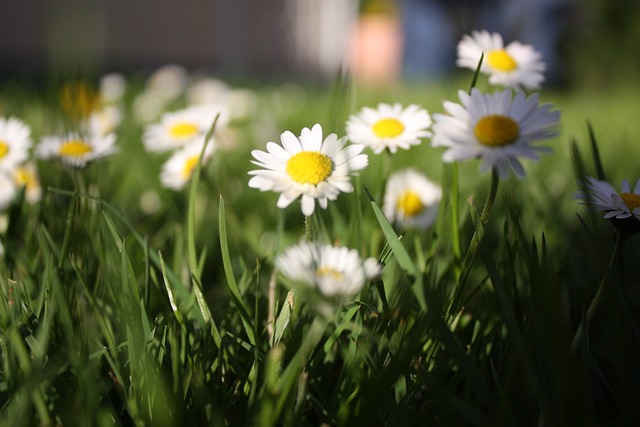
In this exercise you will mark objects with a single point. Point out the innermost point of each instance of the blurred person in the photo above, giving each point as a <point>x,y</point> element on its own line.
<point>432,29</point>
<point>375,51</point>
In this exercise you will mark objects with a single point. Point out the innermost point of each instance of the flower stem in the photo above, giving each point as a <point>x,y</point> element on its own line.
<point>471,253</point>
<point>455,218</point>
<point>308,229</point>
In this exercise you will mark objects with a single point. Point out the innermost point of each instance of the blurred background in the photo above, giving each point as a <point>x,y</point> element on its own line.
<point>379,41</point>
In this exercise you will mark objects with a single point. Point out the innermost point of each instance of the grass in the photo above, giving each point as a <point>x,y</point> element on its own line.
<point>114,313</point>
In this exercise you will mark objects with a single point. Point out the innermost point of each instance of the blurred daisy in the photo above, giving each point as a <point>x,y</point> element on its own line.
<point>112,87</point>
<point>148,106</point>
<point>8,191</point>
<point>104,121</point>
<point>389,126</point>
<point>168,81</point>
<point>15,141</point>
<point>601,196</point>
<point>336,272</point>
<point>178,128</point>
<point>178,170</point>
<point>78,99</point>
<point>411,199</point>
<point>498,128</point>
<point>307,166</point>
<point>75,150</point>
<point>26,175</point>
<point>516,65</point>
<point>202,90</point>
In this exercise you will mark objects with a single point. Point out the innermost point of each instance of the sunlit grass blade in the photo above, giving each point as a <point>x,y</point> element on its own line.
<point>231,280</point>
<point>172,299</point>
<point>191,233</point>
<point>282,321</point>
<point>399,251</point>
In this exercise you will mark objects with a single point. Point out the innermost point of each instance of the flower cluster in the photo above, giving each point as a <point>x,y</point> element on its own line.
<point>499,128</point>
<point>96,115</point>
<point>182,132</point>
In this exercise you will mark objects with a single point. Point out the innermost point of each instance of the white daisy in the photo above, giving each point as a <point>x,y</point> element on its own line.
<point>411,199</point>
<point>307,166</point>
<point>76,150</point>
<point>178,128</point>
<point>601,196</point>
<point>498,128</point>
<point>8,191</point>
<point>15,141</point>
<point>148,106</point>
<point>104,121</point>
<point>336,272</point>
<point>516,65</point>
<point>168,81</point>
<point>178,170</point>
<point>112,87</point>
<point>389,126</point>
<point>26,175</point>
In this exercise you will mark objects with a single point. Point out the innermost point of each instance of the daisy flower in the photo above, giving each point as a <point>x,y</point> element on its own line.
<point>104,121</point>
<point>307,166</point>
<point>178,170</point>
<point>389,126</point>
<point>8,191</point>
<point>168,81</point>
<point>79,99</point>
<point>336,272</point>
<point>76,150</point>
<point>498,128</point>
<point>411,199</point>
<point>516,65</point>
<point>15,141</point>
<point>601,196</point>
<point>26,175</point>
<point>178,128</point>
<point>112,87</point>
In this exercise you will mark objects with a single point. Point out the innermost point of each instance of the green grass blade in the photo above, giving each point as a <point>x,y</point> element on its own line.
<point>231,280</point>
<point>191,232</point>
<point>476,73</point>
<point>596,152</point>
<point>401,254</point>
<point>167,285</point>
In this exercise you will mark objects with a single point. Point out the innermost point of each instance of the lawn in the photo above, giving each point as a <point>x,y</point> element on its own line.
<point>124,302</point>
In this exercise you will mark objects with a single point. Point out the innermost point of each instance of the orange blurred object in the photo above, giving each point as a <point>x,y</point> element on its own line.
<point>375,57</point>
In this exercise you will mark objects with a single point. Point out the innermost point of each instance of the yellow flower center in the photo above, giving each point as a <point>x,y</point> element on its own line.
<point>4,149</point>
<point>329,272</point>
<point>631,200</point>
<point>74,148</point>
<point>410,203</point>
<point>189,166</point>
<point>501,60</point>
<point>309,167</point>
<point>496,131</point>
<point>388,128</point>
<point>183,130</point>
